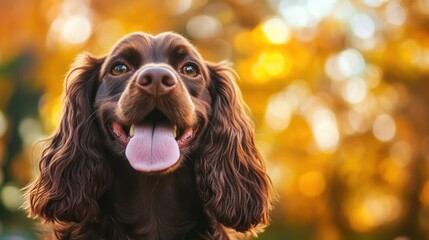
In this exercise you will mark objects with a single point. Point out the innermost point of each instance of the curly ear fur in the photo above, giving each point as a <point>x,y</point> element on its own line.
<point>230,171</point>
<point>73,173</point>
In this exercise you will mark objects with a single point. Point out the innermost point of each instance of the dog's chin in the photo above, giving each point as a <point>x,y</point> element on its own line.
<point>154,145</point>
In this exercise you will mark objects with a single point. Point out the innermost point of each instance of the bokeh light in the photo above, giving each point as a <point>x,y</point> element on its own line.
<point>76,30</point>
<point>276,30</point>
<point>30,130</point>
<point>384,128</point>
<point>325,129</point>
<point>211,27</point>
<point>395,13</point>
<point>177,7</point>
<point>296,16</point>
<point>72,26</point>
<point>11,197</point>
<point>370,210</point>
<point>271,64</point>
<point>362,26</point>
<point>344,65</point>
<point>374,3</point>
<point>355,90</point>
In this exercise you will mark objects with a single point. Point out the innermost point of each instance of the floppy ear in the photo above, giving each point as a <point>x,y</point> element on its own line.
<point>230,171</point>
<point>73,171</point>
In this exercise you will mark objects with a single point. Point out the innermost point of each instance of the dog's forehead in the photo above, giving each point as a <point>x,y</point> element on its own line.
<point>150,45</point>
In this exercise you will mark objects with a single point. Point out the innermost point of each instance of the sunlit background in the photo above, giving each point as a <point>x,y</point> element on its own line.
<point>339,91</point>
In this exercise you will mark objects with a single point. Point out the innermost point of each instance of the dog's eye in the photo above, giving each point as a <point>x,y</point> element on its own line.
<point>119,69</point>
<point>189,70</point>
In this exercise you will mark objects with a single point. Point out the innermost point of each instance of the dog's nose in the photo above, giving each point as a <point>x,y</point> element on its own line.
<point>156,81</point>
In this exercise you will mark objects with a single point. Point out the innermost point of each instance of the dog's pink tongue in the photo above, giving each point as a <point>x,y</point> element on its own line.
<point>153,147</point>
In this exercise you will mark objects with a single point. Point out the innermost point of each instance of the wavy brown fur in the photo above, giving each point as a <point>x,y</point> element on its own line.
<point>88,190</point>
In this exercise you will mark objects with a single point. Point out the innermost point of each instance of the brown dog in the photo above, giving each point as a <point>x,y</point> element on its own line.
<point>154,143</point>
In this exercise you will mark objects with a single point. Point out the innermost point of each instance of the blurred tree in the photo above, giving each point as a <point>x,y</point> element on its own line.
<point>23,103</point>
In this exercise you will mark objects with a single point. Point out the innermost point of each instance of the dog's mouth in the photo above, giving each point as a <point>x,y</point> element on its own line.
<point>153,144</point>
<point>123,133</point>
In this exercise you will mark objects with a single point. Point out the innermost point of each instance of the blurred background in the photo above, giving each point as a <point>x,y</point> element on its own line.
<point>339,91</point>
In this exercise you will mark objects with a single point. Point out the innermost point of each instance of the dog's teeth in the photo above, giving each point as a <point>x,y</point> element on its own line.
<point>132,131</point>
<point>175,131</point>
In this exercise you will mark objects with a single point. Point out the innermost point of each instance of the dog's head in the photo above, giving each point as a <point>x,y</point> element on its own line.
<point>154,100</point>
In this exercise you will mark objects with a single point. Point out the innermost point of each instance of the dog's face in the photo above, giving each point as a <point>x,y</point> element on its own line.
<point>153,100</point>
